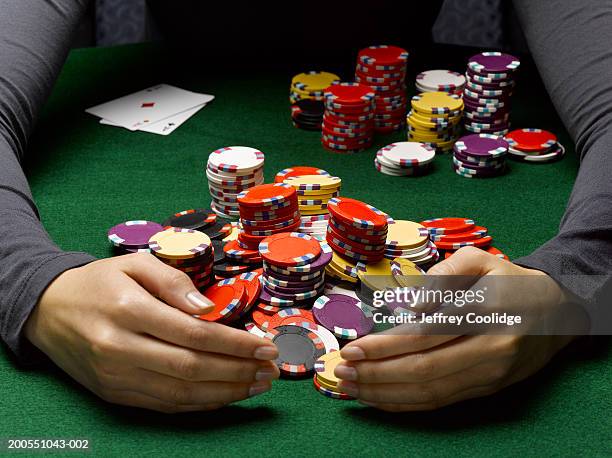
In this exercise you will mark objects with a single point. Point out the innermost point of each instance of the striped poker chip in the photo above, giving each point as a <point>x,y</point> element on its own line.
<point>343,315</point>
<point>236,158</point>
<point>495,63</point>
<point>289,249</point>
<point>228,296</point>
<point>299,349</point>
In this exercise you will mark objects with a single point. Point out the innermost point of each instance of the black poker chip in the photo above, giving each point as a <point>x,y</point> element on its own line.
<point>198,219</point>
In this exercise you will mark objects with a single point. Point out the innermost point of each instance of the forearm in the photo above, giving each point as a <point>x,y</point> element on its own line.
<point>35,37</point>
<point>570,43</point>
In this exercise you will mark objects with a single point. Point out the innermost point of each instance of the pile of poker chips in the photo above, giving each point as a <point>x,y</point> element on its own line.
<point>411,241</point>
<point>480,156</point>
<point>452,233</point>
<point>356,230</point>
<point>132,236</point>
<point>294,269</point>
<point>186,250</point>
<point>233,297</point>
<point>325,381</point>
<point>230,171</point>
<point>348,122</point>
<point>383,68</point>
<point>265,210</point>
<point>440,81</point>
<point>534,145</point>
<point>405,159</point>
<point>435,119</point>
<point>488,91</point>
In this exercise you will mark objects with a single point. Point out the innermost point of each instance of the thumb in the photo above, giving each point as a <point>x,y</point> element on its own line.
<point>171,285</point>
<point>466,261</point>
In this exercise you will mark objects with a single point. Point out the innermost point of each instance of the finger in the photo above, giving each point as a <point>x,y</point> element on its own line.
<point>180,392</point>
<point>175,327</point>
<point>425,366</point>
<point>379,346</point>
<point>190,365</point>
<point>434,393</point>
<point>135,399</point>
<point>469,261</point>
<point>171,285</point>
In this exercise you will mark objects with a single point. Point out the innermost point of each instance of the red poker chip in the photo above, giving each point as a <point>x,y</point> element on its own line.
<point>531,140</point>
<point>349,93</point>
<point>477,232</point>
<point>267,195</point>
<point>383,55</point>
<point>449,225</point>
<point>357,214</point>
<point>339,148</point>
<point>290,316</point>
<point>233,251</point>
<point>331,133</point>
<point>355,256</point>
<point>351,245</point>
<point>346,122</point>
<point>297,171</point>
<point>227,295</point>
<point>263,214</point>
<point>289,249</point>
<point>261,318</point>
<point>357,235</point>
<point>268,232</point>
<point>267,223</point>
<point>478,243</point>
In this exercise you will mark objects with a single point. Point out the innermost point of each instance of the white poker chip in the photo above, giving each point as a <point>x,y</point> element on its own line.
<point>441,80</point>
<point>236,159</point>
<point>408,154</point>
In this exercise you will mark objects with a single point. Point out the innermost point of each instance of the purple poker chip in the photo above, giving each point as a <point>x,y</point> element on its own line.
<point>276,282</point>
<point>493,62</point>
<point>482,145</point>
<point>488,78</point>
<point>294,277</point>
<point>133,234</point>
<point>482,173</point>
<point>479,167</point>
<point>343,315</point>
<point>303,288</point>
<point>478,161</point>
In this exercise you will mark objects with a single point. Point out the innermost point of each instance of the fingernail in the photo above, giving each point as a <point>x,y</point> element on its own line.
<point>353,354</point>
<point>196,299</point>
<point>266,353</point>
<point>259,388</point>
<point>349,388</point>
<point>346,372</point>
<point>265,374</point>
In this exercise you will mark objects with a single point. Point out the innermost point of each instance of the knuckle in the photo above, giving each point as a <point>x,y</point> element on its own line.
<point>187,367</point>
<point>104,344</point>
<point>197,335</point>
<point>508,346</point>
<point>179,394</point>
<point>423,366</point>
<point>176,279</point>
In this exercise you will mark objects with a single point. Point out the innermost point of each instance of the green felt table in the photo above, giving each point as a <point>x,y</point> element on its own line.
<point>86,177</point>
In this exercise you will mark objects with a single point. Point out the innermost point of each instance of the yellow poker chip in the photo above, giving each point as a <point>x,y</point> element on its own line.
<point>313,207</point>
<point>313,212</point>
<point>434,119</point>
<point>377,276</point>
<point>314,81</point>
<point>403,235</point>
<point>343,263</point>
<point>413,120</point>
<point>179,243</point>
<point>314,182</point>
<point>407,273</point>
<point>233,235</point>
<point>325,367</point>
<point>436,102</point>
<point>335,273</point>
<point>319,193</point>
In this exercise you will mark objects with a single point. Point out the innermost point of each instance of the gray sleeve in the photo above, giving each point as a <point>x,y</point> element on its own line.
<point>35,37</point>
<point>571,44</point>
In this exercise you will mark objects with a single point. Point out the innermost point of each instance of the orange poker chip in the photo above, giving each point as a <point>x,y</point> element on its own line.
<point>227,295</point>
<point>267,195</point>
<point>298,171</point>
<point>289,249</point>
<point>357,214</point>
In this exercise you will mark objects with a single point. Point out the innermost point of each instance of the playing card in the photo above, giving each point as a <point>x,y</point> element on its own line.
<point>165,126</point>
<point>148,106</point>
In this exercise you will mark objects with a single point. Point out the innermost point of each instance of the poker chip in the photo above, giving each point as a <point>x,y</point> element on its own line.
<point>377,276</point>
<point>254,329</point>
<point>480,155</point>
<point>343,315</point>
<point>133,235</point>
<point>534,145</point>
<point>488,91</point>
<point>448,225</point>
<point>299,349</point>
<point>406,273</point>
<point>228,297</point>
<point>404,159</point>
<point>290,316</point>
<point>435,119</point>
<point>314,192</point>
<point>383,68</point>
<point>289,249</point>
<point>350,105</point>
<point>297,171</point>
<point>440,81</point>
<point>231,171</point>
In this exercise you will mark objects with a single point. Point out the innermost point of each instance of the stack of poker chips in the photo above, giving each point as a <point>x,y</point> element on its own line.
<point>132,236</point>
<point>265,210</point>
<point>435,119</point>
<point>452,233</point>
<point>348,122</point>
<point>440,81</point>
<point>411,241</point>
<point>298,171</point>
<point>383,68</point>
<point>230,171</point>
<point>314,193</point>
<point>325,381</point>
<point>306,97</point>
<point>294,269</point>
<point>489,87</point>
<point>357,231</point>
<point>534,145</point>
<point>186,250</point>
<point>480,156</point>
<point>405,159</point>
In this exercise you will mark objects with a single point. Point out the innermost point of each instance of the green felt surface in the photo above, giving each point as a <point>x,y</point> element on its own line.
<point>87,177</point>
